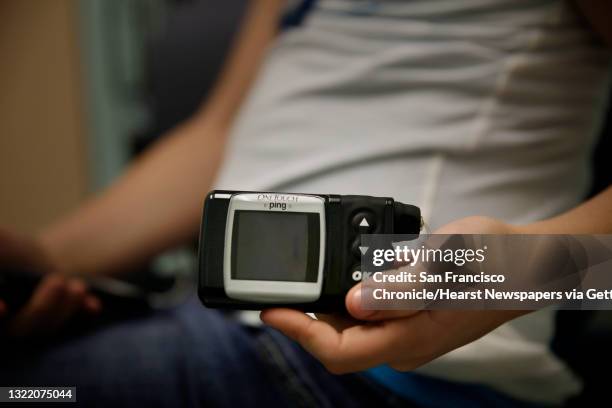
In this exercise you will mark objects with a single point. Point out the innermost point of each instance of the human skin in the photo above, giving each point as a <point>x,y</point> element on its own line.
<point>407,339</point>
<point>156,205</point>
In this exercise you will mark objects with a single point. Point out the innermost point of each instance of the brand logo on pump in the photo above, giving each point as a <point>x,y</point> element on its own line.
<point>277,206</point>
<point>277,201</point>
<point>278,197</point>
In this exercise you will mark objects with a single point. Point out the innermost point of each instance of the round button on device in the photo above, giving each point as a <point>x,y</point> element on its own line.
<point>357,249</point>
<point>356,274</point>
<point>364,222</point>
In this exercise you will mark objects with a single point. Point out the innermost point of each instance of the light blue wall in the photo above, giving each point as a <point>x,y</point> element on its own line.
<point>112,37</point>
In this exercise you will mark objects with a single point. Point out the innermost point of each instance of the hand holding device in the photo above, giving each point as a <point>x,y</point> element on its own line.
<point>114,299</point>
<point>35,298</point>
<point>402,339</point>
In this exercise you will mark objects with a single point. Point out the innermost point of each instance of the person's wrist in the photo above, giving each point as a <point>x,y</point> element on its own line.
<point>53,258</point>
<point>479,225</point>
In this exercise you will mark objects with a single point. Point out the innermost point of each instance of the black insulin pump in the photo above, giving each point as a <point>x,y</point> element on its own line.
<point>264,249</point>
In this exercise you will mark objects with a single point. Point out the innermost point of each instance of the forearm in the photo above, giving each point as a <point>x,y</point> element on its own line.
<point>154,206</point>
<point>157,203</point>
<point>591,217</point>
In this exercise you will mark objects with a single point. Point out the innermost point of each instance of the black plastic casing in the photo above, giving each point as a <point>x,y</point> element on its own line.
<point>342,256</point>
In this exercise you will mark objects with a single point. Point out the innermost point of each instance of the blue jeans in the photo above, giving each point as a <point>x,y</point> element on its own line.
<point>188,357</point>
<point>192,357</point>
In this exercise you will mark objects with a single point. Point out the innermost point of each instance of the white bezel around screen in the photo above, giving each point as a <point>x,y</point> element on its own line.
<point>265,291</point>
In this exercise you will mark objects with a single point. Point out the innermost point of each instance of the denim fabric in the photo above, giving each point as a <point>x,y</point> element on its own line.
<point>193,357</point>
<point>188,357</point>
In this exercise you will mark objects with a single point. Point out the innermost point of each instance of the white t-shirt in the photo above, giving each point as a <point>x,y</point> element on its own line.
<point>474,107</point>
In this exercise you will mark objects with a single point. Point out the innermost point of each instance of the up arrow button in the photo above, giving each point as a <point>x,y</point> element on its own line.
<point>364,222</point>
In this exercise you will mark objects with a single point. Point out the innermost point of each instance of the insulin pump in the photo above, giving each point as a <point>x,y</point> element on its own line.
<point>264,249</point>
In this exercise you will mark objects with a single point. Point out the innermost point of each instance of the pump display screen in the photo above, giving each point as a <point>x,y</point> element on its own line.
<point>275,246</point>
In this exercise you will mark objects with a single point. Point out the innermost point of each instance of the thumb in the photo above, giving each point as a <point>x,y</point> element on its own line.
<point>355,306</point>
